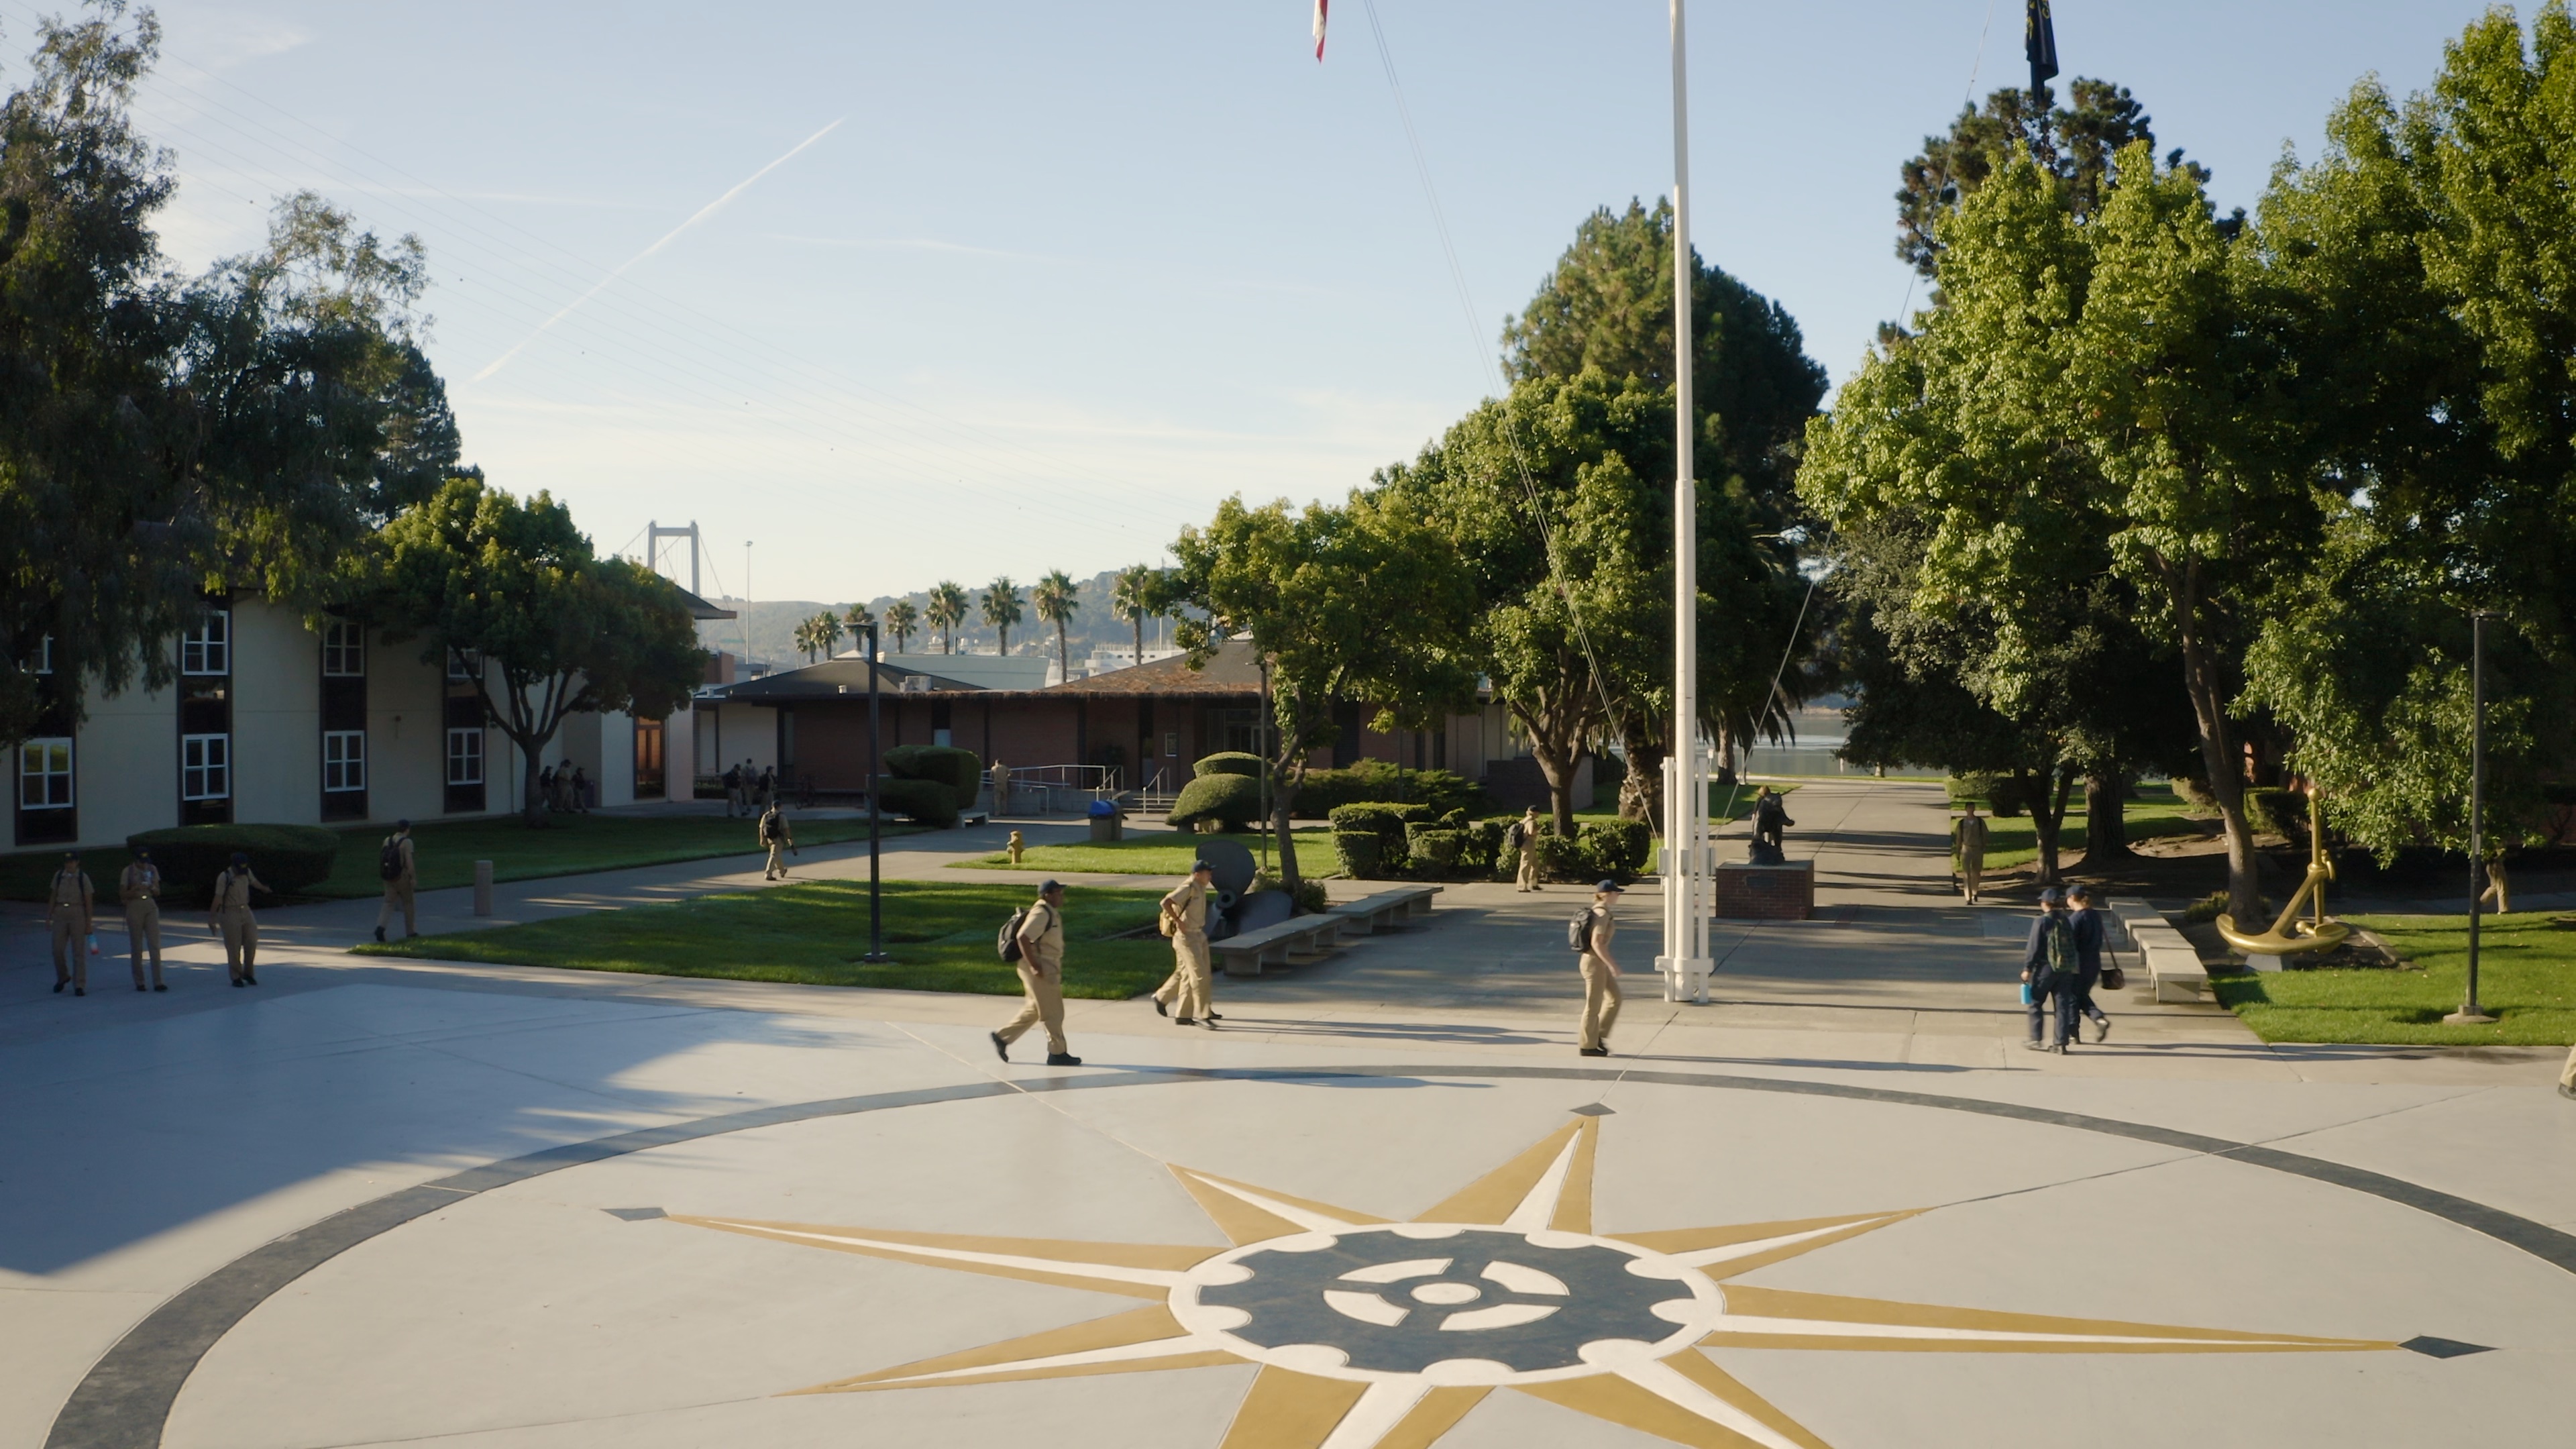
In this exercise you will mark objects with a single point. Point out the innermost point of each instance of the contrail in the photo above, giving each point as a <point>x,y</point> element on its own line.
<point>702,213</point>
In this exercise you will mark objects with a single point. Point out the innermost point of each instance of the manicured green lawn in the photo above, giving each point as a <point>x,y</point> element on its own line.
<point>813,933</point>
<point>446,851</point>
<point>2526,979</point>
<point>2157,811</point>
<point>1152,852</point>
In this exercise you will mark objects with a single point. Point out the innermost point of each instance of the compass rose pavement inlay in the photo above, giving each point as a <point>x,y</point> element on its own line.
<point>1372,1334</point>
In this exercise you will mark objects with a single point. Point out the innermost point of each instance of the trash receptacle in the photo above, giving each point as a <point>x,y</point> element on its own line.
<point>1108,822</point>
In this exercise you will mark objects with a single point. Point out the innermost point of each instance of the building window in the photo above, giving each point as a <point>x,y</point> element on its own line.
<point>344,649</point>
<point>208,648</point>
<point>1171,744</point>
<point>205,767</point>
<point>344,760</point>
<point>45,774</point>
<point>465,757</point>
<point>458,667</point>
<point>40,660</point>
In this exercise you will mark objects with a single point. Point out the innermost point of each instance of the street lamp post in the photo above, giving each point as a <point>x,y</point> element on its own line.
<point>876,903</point>
<point>2470,1012</point>
<point>1685,961</point>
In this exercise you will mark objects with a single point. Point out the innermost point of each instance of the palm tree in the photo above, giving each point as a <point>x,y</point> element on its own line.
<point>1136,596</point>
<point>1002,609</point>
<point>947,610</point>
<point>860,621</point>
<point>1056,603</point>
<point>900,620</point>
<point>827,631</point>
<point>807,639</point>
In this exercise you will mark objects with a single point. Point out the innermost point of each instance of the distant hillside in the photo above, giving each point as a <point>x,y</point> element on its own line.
<point>770,625</point>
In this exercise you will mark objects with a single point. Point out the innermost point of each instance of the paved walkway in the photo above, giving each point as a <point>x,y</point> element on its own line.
<point>271,1218</point>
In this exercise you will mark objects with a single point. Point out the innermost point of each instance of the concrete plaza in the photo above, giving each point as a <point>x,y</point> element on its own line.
<point>375,1202</point>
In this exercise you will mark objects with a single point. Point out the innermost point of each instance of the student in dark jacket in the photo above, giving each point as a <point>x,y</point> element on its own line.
<point>2089,928</point>
<point>2050,964</point>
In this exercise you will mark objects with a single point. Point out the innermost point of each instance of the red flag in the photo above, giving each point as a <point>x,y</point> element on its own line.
<point>1320,7</point>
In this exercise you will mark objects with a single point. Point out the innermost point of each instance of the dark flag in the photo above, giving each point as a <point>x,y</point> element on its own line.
<point>2039,42</point>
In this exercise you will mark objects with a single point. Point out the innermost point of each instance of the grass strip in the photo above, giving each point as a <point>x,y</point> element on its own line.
<point>812,933</point>
<point>2012,841</point>
<point>2526,979</point>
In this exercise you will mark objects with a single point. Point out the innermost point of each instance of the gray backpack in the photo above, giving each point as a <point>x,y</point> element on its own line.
<point>1578,932</point>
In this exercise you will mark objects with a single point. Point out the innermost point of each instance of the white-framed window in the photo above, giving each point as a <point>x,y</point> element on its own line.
<point>465,757</point>
<point>459,667</point>
<point>40,660</point>
<point>208,648</point>
<point>344,649</point>
<point>344,760</point>
<point>205,767</point>
<point>45,774</point>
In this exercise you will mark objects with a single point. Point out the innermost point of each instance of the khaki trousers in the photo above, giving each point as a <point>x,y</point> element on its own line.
<point>241,943</point>
<point>402,894</point>
<point>1191,988</point>
<point>1972,873</point>
<point>2567,1073</point>
<point>1600,1000</point>
<point>1529,867</point>
<point>1045,986</point>
<point>143,930</point>
<point>68,941</point>
<point>777,862</point>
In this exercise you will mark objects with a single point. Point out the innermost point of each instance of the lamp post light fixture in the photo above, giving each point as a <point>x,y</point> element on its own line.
<point>2470,1012</point>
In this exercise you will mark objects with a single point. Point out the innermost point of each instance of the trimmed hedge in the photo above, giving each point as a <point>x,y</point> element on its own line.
<point>1228,762</point>
<point>1233,801</point>
<point>960,770</point>
<point>1378,781</point>
<point>1360,853</point>
<point>926,801</point>
<point>1434,849</point>
<point>286,858</point>
<point>1616,848</point>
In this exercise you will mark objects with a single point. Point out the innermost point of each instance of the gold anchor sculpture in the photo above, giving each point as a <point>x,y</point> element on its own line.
<point>2289,935</point>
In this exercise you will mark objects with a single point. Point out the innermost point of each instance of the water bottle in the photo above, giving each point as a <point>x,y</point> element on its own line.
<point>93,943</point>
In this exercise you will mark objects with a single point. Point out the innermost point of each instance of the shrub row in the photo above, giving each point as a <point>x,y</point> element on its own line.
<point>286,858</point>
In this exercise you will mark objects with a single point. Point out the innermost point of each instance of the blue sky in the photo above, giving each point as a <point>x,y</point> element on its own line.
<point>1062,276</point>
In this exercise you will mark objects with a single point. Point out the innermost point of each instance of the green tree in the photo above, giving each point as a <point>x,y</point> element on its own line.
<point>901,619</point>
<point>1139,593</point>
<point>947,610</point>
<point>1001,609</point>
<point>828,632</point>
<point>1358,601</point>
<point>513,586</point>
<point>1056,601</point>
<point>859,621</point>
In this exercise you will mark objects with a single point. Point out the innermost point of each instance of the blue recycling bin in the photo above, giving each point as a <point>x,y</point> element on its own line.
<point>1108,822</point>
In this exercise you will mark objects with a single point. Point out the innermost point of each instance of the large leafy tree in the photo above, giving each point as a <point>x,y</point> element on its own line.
<point>1358,601</point>
<point>515,588</point>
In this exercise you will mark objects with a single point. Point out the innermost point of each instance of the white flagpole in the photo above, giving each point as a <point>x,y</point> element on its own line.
<point>1685,961</point>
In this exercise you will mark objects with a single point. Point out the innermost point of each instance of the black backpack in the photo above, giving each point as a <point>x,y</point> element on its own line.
<point>1008,946</point>
<point>389,859</point>
<point>2061,955</point>
<point>1578,932</point>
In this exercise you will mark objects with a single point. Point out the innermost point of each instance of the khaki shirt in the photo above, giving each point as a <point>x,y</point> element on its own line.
<point>402,851</point>
<point>70,897</point>
<point>773,829</point>
<point>1972,837</point>
<point>1042,937</point>
<point>232,891</point>
<point>139,883</point>
<point>1190,904</point>
<point>1604,926</point>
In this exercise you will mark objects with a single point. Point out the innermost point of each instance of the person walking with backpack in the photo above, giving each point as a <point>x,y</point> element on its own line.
<point>139,887</point>
<point>1590,933</point>
<point>1524,838</point>
<point>2088,958</point>
<point>229,916</point>
<point>69,903</point>
<point>773,833</point>
<point>1972,852</point>
<point>2053,968</point>
<point>394,865</point>
<point>1188,996</point>
<point>1033,940</point>
<point>733,791</point>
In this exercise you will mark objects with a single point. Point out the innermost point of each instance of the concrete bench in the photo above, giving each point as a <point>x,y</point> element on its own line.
<point>1386,909</point>
<point>1279,945</point>
<point>2171,961</point>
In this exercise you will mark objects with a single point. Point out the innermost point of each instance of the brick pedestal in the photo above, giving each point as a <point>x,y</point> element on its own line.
<point>1766,892</point>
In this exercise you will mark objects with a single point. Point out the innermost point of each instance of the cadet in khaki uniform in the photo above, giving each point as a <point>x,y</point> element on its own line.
<point>1972,852</point>
<point>1188,995</point>
<point>1527,829</point>
<point>67,912</point>
<point>402,888</point>
<point>229,917</point>
<point>773,833</point>
<point>140,888</point>
<point>1600,974</point>
<point>1041,966</point>
<point>2567,1075</point>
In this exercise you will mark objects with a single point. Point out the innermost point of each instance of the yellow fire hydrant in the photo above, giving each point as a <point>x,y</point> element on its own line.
<point>1017,845</point>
